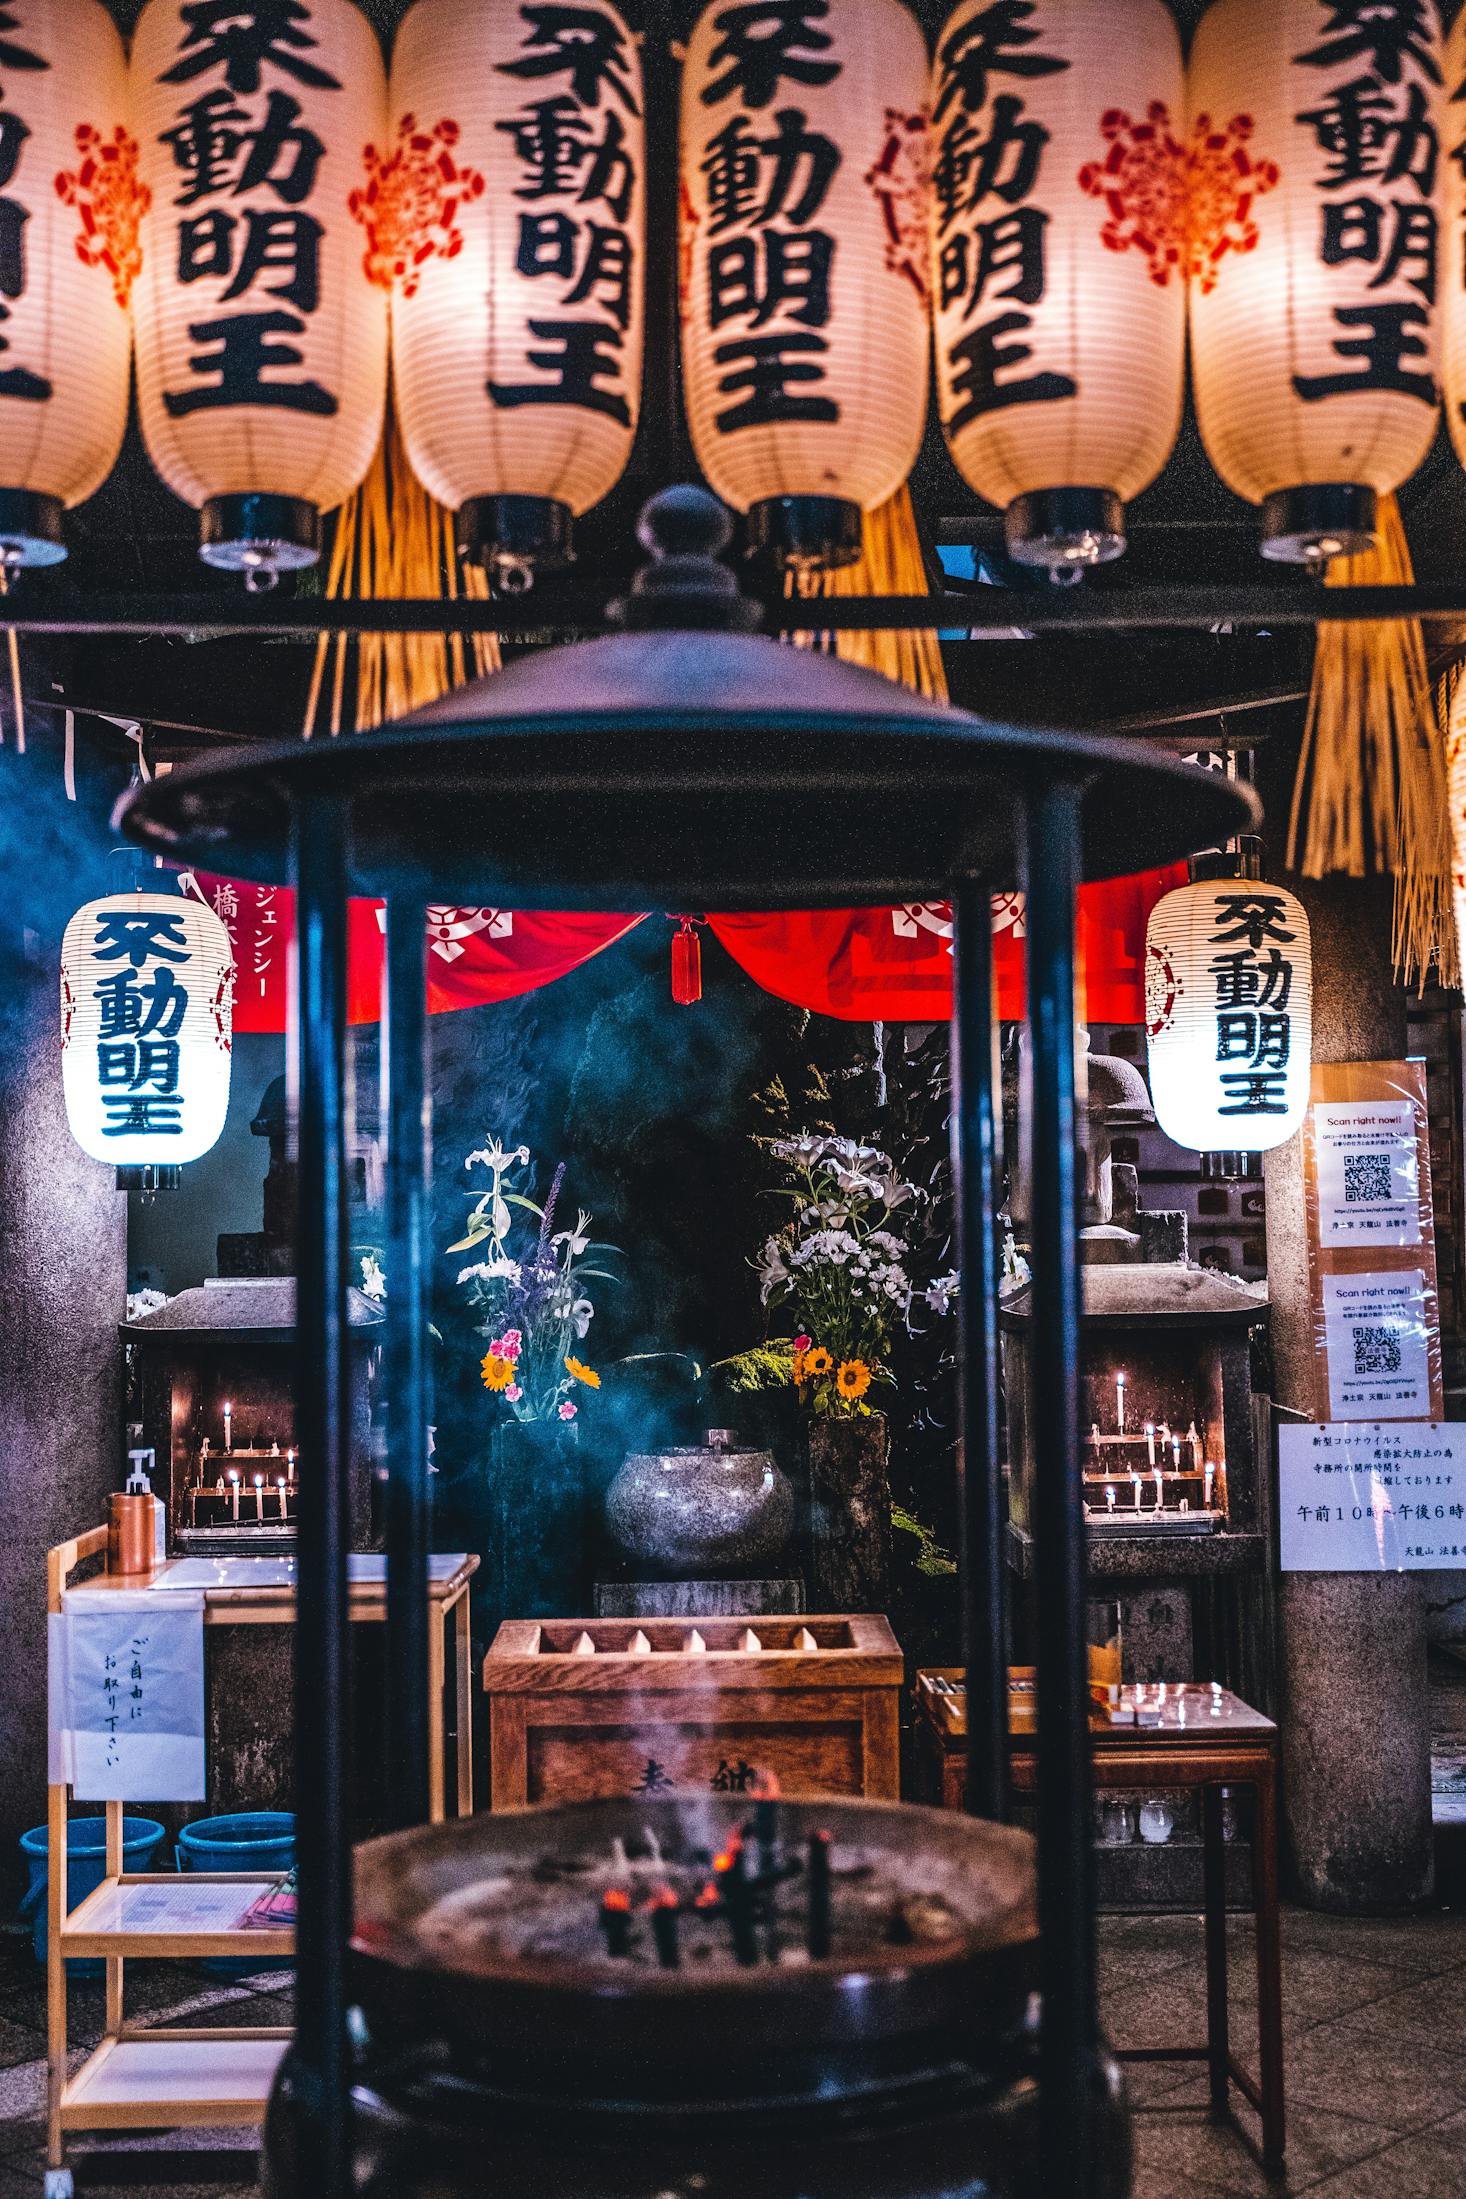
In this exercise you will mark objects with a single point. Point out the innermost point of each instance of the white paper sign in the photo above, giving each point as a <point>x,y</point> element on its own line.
<point>1368,1172</point>
<point>1377,1343</point>
<point>1372,1496</point>
<point>128,1701</point>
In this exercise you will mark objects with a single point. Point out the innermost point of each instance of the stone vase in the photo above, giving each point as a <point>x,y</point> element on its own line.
<point>850,1513</point>
<point>539,1555</point>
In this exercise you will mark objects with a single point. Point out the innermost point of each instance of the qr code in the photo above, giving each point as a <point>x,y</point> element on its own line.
<point>1366,1176</point>
<point>1376,1350</point>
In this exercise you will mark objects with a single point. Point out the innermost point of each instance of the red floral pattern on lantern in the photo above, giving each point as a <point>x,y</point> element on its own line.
<point>111,198</point>
<point>899,180</point>
<point>409,204</point>
<point>1142,183</point>
<point>1223,179</point>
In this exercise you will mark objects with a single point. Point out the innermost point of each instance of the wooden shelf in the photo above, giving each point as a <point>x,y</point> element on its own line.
<point>181,1916</point>
<point>174,2079</point>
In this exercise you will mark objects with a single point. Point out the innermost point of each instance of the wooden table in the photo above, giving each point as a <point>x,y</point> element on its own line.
<point>155,2076</point>
<point>1204,1738</point>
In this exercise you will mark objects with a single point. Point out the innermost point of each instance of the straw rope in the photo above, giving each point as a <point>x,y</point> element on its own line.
<point>393,540</point>
<point>1370,795</point>
<point>890,564</point>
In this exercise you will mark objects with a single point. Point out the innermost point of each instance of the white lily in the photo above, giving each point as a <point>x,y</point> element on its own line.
<point>373,1277</point>
<point>575,1239</point>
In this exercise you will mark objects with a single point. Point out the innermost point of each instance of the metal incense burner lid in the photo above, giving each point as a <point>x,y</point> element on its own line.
<point>684,763</point>
<point>701,1511</point>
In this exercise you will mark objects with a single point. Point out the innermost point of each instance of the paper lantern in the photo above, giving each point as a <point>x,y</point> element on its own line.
<point>261,344</point>
<point>1058,254</point>
<point>1229,1014</point>
<point>804,265</point>
<point>1317,149</point>
<point>70,202</point>
<point>506,215</point>
<point>1453,260</point>
<point>147,983</point>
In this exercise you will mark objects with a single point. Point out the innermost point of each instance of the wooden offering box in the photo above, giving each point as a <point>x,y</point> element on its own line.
<point>581,1709</point>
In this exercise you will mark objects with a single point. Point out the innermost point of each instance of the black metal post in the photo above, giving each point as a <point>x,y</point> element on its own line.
<point>975,1143</point>
<point>1069,2034</point>
<point>405,1365</point>
<point>322,1710</point>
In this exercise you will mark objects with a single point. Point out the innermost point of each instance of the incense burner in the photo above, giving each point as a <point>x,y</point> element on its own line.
<point>702,1512</point>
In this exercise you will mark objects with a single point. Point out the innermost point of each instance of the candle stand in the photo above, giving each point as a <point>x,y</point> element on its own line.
<point>685,763</point>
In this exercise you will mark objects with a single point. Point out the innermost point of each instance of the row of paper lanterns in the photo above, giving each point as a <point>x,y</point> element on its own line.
<point>255,210</point>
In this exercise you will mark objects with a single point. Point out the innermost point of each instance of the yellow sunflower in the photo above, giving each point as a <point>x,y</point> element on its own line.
<point>853,1380</point>
<point>800,1366</point>
<point>583,1373</point>
<point>497,1371</point>
<point>818,1362</point>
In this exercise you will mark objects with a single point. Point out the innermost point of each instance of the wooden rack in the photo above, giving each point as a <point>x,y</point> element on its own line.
<point>156,2076</point>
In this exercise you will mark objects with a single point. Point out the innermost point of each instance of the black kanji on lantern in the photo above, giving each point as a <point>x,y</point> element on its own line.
<point>757,179</point>
<point>760,43</point>
<point>578,356</point>
<point>1384,34</point>
<point>1252,992</point>
<point>587,44</point>
<point>15,381</point>
<point>769,377</point>
<point>220,146</point>
<point>12,54</point>
<point>241,36</point>
<point>241,360</point>
<point>995,41</point>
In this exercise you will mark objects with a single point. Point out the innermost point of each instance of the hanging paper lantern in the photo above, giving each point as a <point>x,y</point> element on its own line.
<point>147,983</point>
<point>1229,1014</point>
<point>1318,149</point>
<point>261,344</point>
<point>70,203</point>
<point>506,216</point>
<point>804,264</point>
<point>1058,254</point>
<point>1453,258</point>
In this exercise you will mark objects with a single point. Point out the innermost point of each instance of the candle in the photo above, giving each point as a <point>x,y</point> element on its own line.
<point>259,1496</point>
<point>1109,1496</point>
<point>1120,1402</point>
<point>1176,1452</point>
<point>228,1425</point>
<point>1150,1441</point>
<point>1195,1441</point>
<point>234,1490</point>
<point>280,1485</point>
<point>616,1919</point>
<point>290,1465</point>
<point>664,1927</point>
<point>1208,1472</point>
<point>1159,1488</point>
<point>1135,1480</point>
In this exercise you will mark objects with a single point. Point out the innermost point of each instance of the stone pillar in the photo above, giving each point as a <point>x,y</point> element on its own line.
<point>1355,1714</point>
<point>63,1278</point>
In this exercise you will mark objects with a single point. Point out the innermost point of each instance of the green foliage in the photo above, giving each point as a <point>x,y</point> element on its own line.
<point>766,1367</point>
<point>931,1557</point>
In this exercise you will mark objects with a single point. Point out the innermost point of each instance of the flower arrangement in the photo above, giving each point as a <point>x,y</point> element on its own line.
<point>530,1299</point>
<point>839,1267</point>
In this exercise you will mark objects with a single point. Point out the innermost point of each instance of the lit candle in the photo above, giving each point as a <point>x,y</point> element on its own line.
<point>1208,1474</point>
<point>280,1485</point>
<point>1176,1451</point>
<point>1120,1402</point>
<point>1135,1481</point>
<point>290,1465</point>
<point>1109,1496</point>
<point>1159,1488</point>
<point>1195,1441</point>
<point>234,1490</point>
<point>228,1425</point>
<point>1186,1504</point>
<point>259,1496</point>
<point>1150,1441</point>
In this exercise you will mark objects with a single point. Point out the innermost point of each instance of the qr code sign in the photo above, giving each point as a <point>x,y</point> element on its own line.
<point>1376,1350</point>
<point>1366,1177</point>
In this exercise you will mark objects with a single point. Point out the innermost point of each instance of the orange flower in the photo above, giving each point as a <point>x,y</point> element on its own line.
<point>853,1380</point>
<point>497,1371</point>
<point>818,1361</point>
<point>800,1366</point>
<point>583,1373</point>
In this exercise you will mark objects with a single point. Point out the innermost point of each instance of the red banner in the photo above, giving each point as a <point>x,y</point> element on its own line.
<point>895,965</point>
<point>474,955</point>
<point>863,965</point>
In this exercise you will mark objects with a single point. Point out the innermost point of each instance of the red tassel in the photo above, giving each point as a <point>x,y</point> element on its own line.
<point>686,964</point>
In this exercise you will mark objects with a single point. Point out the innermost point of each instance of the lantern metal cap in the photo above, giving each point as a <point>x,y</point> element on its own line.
<point>1065,530</point>
<point>808,533</point>
<point>260,536</point>
<point>515,537</point>
<point>31,528</point>
<point>1319,521</point>
<point>673,766</point>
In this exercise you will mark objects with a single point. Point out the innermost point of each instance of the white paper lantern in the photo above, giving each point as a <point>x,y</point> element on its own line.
<point>261,343</point>
<point>1453,245</point>
<point>147,989</point>
<point>1229,1014</point>
<point>1317,145</point>
<point>803,263</point>
<point>507,216</point>
<point>1058,257</point>
<point>70,203</point>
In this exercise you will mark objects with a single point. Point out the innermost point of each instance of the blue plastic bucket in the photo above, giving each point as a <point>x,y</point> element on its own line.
<point>86,1866</point>
<point>246,1840</point>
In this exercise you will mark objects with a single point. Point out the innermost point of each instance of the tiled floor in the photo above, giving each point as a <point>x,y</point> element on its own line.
<point>1375,2018</point>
